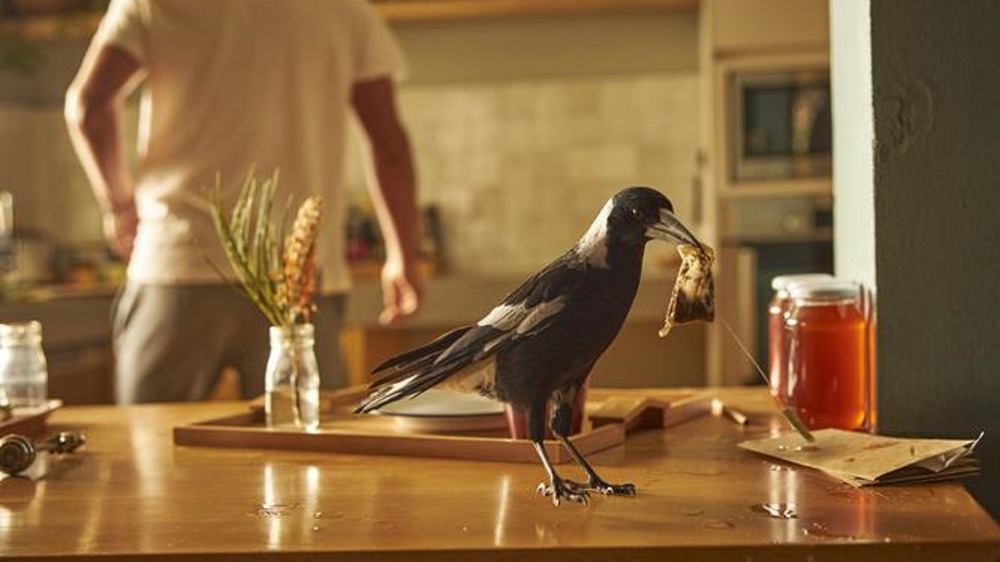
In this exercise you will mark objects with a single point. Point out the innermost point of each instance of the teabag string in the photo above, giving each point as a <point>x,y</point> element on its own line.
<point>789,413</point>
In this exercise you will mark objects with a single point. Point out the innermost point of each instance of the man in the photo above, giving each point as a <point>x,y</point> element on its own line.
<point>230,84</point>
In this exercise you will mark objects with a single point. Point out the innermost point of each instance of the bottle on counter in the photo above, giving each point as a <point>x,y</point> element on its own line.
<point>23,369</point>
<point>777,359</point>
<point>430,233</point>
<point>828,377</point>
<point>292,378</point>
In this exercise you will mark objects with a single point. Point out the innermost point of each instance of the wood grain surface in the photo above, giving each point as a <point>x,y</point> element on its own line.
<point>132,493</point>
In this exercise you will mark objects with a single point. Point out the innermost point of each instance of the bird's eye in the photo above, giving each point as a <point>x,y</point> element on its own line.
<point>637,214</point>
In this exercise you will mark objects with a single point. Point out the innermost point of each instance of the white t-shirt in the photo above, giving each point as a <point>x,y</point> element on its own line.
<point>231,84</point>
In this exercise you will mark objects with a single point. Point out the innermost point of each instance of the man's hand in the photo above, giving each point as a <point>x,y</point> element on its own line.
<point>120,225</point>
<point>401,292</point>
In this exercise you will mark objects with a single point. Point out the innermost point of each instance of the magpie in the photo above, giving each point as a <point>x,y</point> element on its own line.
<point>535,350</point>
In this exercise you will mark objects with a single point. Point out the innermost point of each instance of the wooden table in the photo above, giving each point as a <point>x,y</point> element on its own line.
<point>132,492</point>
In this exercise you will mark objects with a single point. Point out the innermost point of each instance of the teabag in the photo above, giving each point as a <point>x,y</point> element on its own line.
<point>693,297</point>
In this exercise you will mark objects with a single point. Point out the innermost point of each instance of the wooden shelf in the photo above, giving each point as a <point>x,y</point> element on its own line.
<point>371,270</point>
<point>81,25</point>
<point>438,10</point>
<point>51,27</point>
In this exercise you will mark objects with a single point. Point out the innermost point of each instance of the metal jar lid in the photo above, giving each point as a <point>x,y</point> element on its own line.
<point>783,282</point>
<point>830,289</point>
<point>21,332</point>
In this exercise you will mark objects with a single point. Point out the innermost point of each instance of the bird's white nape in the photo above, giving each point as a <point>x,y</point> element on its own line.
<point>593,246</point>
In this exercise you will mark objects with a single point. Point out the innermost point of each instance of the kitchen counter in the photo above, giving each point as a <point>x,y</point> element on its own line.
<point>69,315</point>
<point>454,300</point>
<point>637,358</point>
<point>131,493</point>
<point>77,331</point>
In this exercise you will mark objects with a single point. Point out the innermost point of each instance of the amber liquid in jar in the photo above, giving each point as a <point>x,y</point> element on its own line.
<point>827,379</point>
<point>777,352</point>
<point>776,360</point>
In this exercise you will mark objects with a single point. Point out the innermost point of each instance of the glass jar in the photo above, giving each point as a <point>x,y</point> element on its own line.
<point>827,378</point>
<point>777,358</point>
<point>871,321</point>
<point>23,369</point>
<point>292,383</point>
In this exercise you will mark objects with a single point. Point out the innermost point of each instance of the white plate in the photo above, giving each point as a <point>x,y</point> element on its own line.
<point>439,410</point>
<point>442,402</point>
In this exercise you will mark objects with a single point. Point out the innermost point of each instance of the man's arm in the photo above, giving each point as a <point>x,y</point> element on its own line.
<point>93,110</point>
<point>393,190</point>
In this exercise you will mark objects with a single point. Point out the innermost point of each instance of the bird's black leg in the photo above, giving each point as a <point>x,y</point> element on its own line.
<point>562,420</point>
<point>557,488</point>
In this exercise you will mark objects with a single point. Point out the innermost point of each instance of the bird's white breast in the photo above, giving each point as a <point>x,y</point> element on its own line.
<point>593,246</point>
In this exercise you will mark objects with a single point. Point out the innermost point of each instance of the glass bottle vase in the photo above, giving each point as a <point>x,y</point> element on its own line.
<point>23,370</point>
<point>292,378</point>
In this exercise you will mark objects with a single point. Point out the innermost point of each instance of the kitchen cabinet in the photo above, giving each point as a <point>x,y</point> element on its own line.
<point>774,69</point>
<point>744,26</point>
<point>83,375</point>
<point>76,338</point>
<point>756,37</point>
<point>739,37</point>
<point>422,10</point>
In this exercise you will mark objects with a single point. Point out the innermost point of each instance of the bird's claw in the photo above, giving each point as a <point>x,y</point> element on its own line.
<point>559,489</point>
<point>579,492</point>
<point>603,487</point>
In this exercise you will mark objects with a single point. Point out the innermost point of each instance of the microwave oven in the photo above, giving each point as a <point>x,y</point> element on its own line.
<point>780,124</point>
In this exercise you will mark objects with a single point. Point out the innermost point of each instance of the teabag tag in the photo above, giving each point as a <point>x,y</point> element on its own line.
<point>693,297</point>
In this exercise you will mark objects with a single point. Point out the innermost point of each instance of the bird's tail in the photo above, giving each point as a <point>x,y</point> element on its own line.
<point>389,367</point>
<point>410,373</point>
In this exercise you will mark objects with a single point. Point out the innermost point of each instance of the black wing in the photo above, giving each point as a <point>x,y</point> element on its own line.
<point>523,314</point>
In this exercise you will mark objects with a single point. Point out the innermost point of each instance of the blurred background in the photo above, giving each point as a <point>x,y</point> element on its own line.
<point>526,115</point>
<point>523,124</point>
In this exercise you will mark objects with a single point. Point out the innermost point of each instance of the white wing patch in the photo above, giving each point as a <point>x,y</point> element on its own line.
<point>398,385</point>
<point>593,246</point>
<point>520,319</point>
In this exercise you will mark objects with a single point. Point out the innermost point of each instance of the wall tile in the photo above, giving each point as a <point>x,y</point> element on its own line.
<point>519,169</point>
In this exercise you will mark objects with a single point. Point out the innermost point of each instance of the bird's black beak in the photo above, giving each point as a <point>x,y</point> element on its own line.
<point>671,229</point>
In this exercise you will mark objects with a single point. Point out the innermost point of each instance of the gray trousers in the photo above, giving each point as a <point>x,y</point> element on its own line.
<point>172,342</point>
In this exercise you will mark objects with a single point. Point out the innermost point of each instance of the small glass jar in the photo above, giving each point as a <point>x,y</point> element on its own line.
<point>777,358</point>
<point>23,369</point>
<point>827,378</point>
<point>292,383</point>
